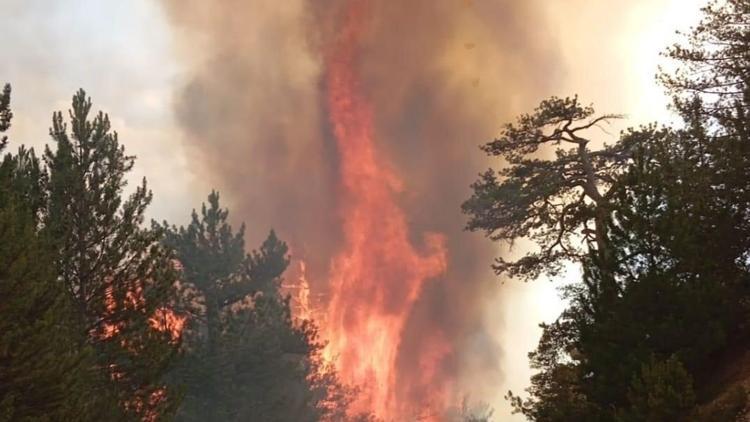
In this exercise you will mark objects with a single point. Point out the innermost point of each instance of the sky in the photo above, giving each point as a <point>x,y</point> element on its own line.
<point>135,64</point>
<point>121,53</point>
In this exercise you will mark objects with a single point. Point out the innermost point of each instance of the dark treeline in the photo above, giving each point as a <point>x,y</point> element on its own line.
<point>657,328</point>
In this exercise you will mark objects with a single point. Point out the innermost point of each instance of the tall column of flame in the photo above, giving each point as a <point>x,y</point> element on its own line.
<point>377,277</point>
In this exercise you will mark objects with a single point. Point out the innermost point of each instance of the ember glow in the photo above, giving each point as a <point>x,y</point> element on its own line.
<point>377,277</point>
<point>164,319</point>
<point>167,320</point>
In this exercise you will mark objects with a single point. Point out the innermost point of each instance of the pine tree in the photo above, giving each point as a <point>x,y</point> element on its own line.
<point>661,391</point>
<point>554,202</point>
<point>215,263</point>
<point>116,272</point>
<point>47,372</point>
<point>712,64</point>
<point>24,176</point>
<point>5,115</point>
<point>245,357</point>
<point>679,240</point>
<point>711,90</point>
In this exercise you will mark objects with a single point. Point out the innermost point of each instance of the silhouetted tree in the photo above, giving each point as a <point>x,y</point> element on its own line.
<point>554,202</point>
<point>712,65</point>
<point>678,241</point>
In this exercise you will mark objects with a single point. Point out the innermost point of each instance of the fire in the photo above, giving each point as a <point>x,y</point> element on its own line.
<point>164,319</point>
<point>378,275</point>
<point>167,320</point>
<point>299,293</point>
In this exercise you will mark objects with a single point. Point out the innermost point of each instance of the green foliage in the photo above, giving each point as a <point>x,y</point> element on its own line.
<point>116,272</point>
<point>554,202</point>
<point>24,176</point>
<point>681,280</point>
<point>245,357</point>
<point>557,391</point>
<point>662,391</point>
<point>713,65</point>
<point>45,366</point>
<point>47,371</point>
<point>83,283</point>
<point>667,271</point>
<point>5,115</point>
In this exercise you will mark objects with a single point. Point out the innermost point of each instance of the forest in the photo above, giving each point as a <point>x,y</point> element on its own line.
<point>105,316</point>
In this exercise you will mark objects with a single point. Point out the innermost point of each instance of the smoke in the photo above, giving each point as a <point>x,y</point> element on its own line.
<point>440,76</point>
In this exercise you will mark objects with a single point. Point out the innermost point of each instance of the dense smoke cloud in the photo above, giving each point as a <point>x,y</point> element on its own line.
<point>441,77</point>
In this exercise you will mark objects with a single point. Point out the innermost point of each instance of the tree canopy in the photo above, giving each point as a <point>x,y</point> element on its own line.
<point>658,222</point>
<point>245,356</point>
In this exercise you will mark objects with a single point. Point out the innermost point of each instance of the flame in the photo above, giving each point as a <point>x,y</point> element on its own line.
<point>168,321</point>
<point>299,293</point>
<point>378,276</point>
<point>164,319</point>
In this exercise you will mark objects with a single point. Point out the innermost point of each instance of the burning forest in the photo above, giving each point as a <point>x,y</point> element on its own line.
<point>355,179</point>
<point>384,177</point>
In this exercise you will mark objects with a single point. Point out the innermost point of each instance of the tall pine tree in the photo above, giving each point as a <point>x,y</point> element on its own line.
<point>117,272</point>
<point>678,232</point>
<point>47,369</point>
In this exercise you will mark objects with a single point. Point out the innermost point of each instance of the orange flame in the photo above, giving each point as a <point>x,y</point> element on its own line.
<point>164,318</point>
<point>168,321</point>
<point>299,292</point>
<point>378,276</point>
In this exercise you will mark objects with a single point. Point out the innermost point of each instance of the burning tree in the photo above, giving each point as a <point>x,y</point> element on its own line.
<point>116,272</point>
<point>245,356</point>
